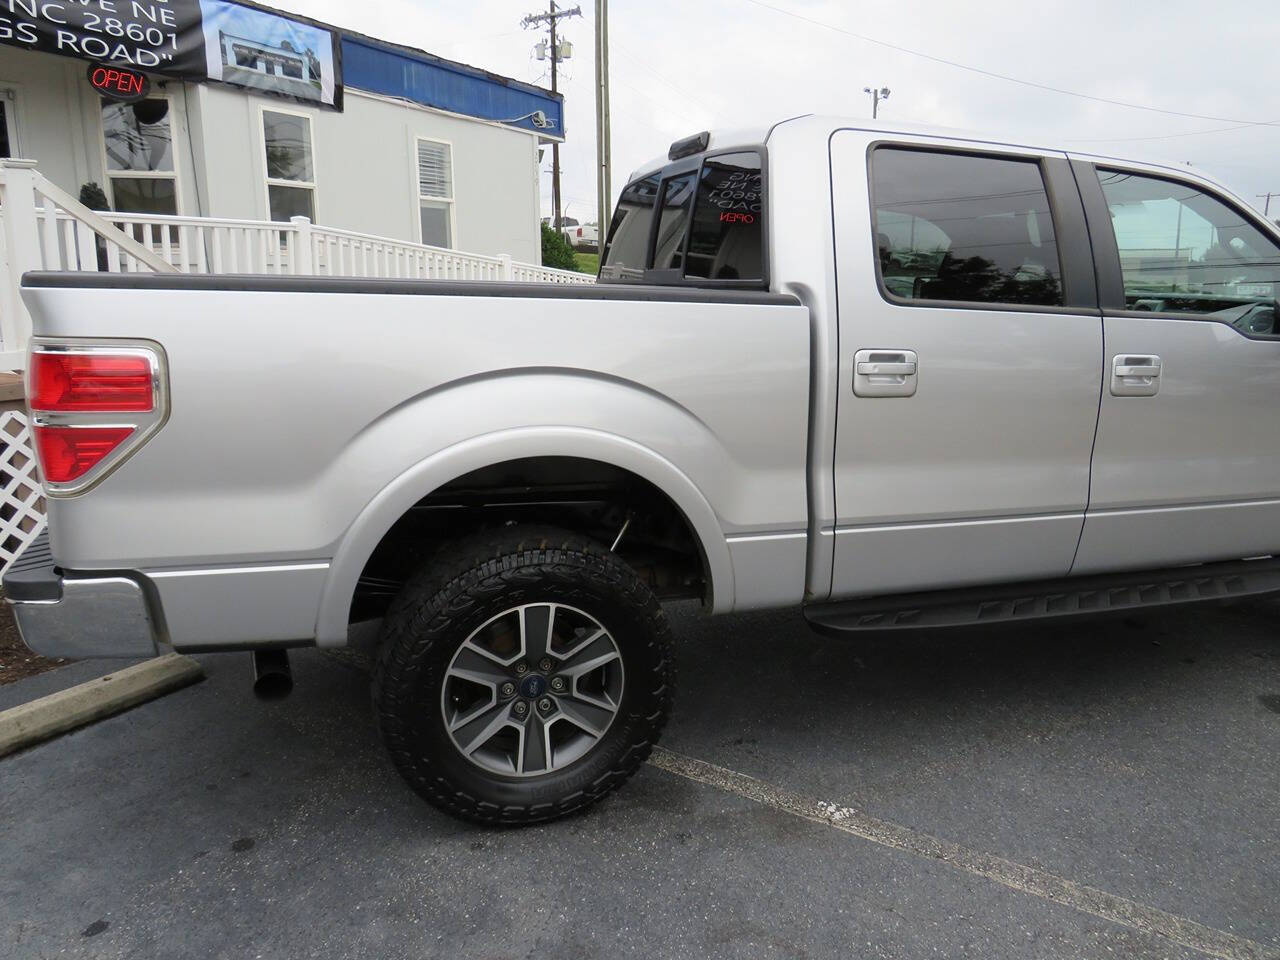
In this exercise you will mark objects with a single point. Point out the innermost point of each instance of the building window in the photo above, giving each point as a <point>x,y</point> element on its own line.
<point>138,144</point>
<point>435,193</point>
<point>291,179</point>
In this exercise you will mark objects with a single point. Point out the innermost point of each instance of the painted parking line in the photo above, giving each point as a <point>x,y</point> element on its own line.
<point>1038,883</point>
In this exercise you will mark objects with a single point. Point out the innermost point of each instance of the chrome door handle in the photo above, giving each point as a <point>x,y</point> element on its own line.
<point>885,373</point>
<point>1138,369</point>
<point>1135,376</point>
<point>869,368</point>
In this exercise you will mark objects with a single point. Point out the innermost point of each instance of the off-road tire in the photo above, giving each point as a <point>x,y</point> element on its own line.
<point>457,592</point>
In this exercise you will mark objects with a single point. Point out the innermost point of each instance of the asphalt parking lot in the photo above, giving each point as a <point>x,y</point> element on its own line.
<point>1101,789</point>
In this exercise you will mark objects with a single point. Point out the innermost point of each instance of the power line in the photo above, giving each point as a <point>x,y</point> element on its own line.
<point>1001,76</point>
<point>661,79</point>
<point>1171,136</point>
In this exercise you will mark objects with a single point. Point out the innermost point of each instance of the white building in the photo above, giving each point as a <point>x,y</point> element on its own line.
<point>423,150</point>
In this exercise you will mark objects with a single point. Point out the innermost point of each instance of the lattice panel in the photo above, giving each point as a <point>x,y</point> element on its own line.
<point>21,499</point>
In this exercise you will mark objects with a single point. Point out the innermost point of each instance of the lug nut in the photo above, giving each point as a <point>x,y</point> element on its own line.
<point>545,705</point>
<point>520,708</point>
<point>545,664</point>
<point>508,688</point>
<point>557,684</point>
<point>522,668</point>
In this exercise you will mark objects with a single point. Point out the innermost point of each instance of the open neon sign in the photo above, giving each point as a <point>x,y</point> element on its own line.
<point>119,83</point>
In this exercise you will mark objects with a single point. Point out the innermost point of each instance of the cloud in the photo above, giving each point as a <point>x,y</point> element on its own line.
<point>679,66</point>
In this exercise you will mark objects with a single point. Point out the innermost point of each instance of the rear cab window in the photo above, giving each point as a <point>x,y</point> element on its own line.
<point>702,224</point>
<point>962,227</point>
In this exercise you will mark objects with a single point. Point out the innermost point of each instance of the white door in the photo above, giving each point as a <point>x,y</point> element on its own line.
<point>970,349</point>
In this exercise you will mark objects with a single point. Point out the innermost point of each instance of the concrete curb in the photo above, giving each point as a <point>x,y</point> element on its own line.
<point>42,719</point>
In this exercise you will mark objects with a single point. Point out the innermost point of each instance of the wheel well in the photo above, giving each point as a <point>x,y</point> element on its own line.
<point>609,504</point>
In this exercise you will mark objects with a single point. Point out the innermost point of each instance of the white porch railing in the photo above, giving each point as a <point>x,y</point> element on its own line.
<point>208,245</point>
<point>44,228</point>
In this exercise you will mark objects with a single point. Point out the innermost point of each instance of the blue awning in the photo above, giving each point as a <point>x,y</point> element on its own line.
<point>416,75</point>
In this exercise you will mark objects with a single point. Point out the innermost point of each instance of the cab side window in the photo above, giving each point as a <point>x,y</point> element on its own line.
<point>963,227</point>
<point>1184,251</point>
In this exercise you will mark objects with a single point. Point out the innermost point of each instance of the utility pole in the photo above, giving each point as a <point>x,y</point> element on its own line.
<point>1267,202</point>
<point>603,149</point>
<point>876,97</point>
<point>550,17</point>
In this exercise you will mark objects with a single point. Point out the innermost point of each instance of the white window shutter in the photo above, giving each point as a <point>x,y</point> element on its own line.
<point>435,170</point>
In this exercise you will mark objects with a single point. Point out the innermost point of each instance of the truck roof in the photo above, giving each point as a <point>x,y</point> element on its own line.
<point>822,125</point>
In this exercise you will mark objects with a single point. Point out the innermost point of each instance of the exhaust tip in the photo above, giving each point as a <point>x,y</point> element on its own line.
<point>272,678</point>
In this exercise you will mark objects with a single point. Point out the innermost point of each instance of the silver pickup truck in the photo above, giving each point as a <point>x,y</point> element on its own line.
<point>897,377</point>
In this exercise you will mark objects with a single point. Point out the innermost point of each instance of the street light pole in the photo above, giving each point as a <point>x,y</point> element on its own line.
<point>876,96</point>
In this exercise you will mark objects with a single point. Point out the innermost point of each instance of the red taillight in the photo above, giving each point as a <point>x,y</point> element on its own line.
<point>91,383</point>
<point>579,231</point>
<point>68,453</point>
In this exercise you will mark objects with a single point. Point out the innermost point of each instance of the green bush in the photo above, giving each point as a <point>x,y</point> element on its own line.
<point>91,196</point>
<point>556,251</point>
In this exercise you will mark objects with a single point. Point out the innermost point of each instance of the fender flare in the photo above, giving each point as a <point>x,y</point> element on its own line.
<point>391,503</point>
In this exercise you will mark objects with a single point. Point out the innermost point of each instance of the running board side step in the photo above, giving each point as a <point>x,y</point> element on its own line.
<point>1046,599</point>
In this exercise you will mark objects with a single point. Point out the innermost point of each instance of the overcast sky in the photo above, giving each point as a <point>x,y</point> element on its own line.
<point>680,66</point>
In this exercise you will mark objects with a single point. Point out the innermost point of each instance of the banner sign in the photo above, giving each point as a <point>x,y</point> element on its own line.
<point>190,39</point>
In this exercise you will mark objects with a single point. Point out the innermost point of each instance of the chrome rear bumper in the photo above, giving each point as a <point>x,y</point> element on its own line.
<point>76,616</point>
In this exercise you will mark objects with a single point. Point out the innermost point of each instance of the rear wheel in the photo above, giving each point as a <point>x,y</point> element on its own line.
<point>522,676</point>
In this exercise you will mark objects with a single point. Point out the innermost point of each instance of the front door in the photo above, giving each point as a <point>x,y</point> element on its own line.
<point>970,350</point>
<point>1187,462</point>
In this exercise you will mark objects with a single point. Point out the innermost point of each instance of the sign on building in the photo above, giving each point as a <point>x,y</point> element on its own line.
<point>196,40</point>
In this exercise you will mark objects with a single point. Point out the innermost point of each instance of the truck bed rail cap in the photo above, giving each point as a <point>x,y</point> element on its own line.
<point>438,288</point>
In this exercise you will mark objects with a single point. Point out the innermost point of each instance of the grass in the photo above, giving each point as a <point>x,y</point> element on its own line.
<point>587,262</point>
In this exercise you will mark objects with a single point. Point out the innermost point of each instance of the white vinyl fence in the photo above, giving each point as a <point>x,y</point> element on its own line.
<point>207,245</point>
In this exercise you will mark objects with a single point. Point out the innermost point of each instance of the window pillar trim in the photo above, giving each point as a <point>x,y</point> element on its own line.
<point>1106,253</point>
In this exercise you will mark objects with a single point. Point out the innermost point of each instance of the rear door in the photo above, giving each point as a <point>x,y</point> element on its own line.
<point>970,348</point>
<point>1187,462</point>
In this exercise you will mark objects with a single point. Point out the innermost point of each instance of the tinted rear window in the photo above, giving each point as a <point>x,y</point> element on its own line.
<point>710,227</point>
<point>627,250</point>
<point>727,239</point>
